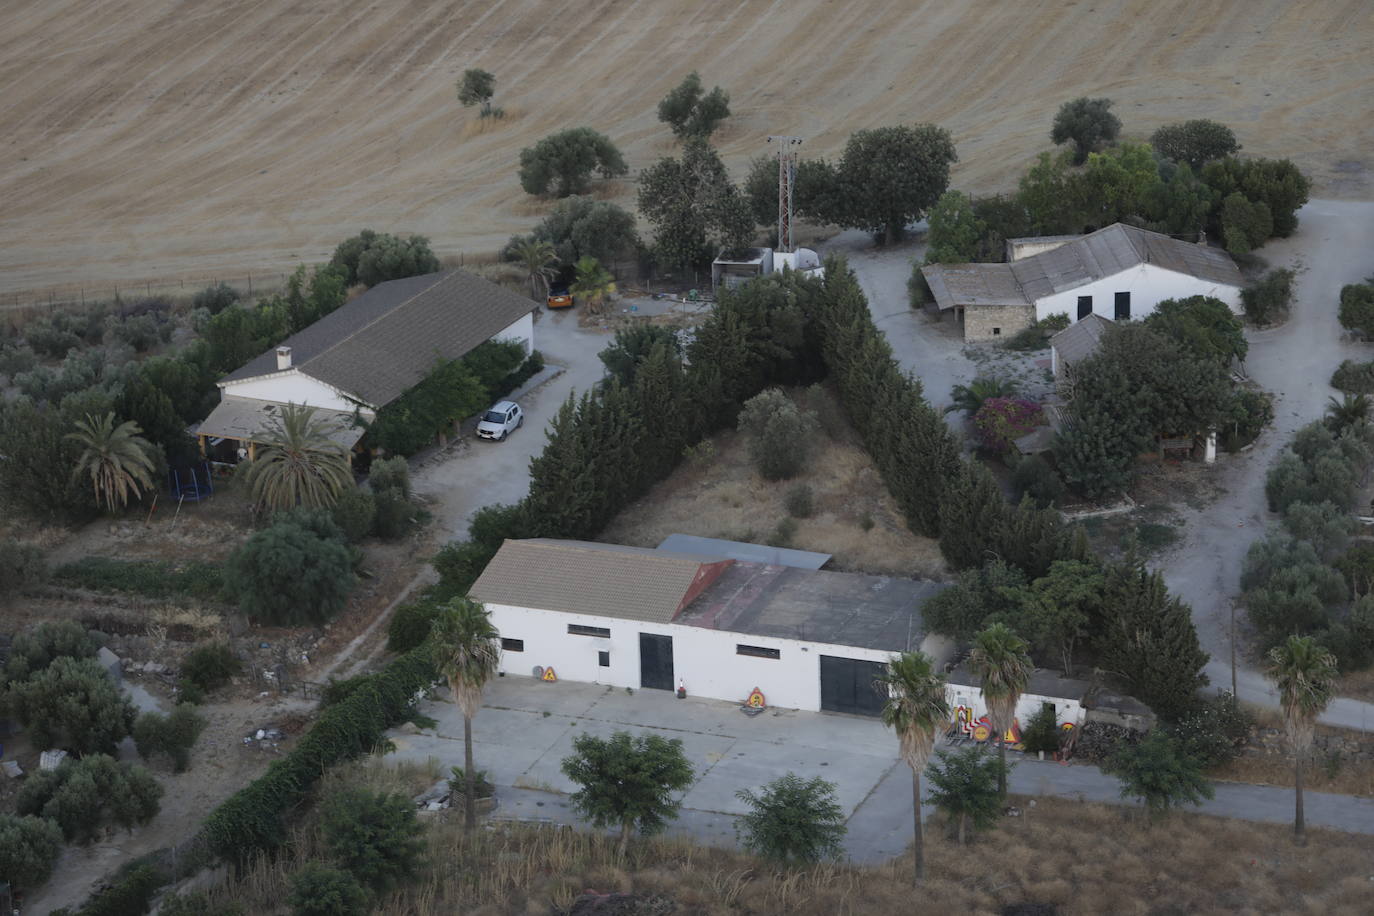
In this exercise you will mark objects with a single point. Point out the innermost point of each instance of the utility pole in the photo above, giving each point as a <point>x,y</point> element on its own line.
<point>787,175</point>
<point>1235,694</point>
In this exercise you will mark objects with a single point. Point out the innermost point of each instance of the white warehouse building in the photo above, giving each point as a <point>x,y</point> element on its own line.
<point>1119,273</point>
<point>717,625</point>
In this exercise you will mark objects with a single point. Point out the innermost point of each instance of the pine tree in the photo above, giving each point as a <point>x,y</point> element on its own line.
<point>1148,636</point>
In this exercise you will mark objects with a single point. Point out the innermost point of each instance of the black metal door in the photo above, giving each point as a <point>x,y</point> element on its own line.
<point>656,661</point>
<point>847,686</point>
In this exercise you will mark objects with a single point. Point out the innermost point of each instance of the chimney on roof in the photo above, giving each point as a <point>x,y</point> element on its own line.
<point>283,358</point>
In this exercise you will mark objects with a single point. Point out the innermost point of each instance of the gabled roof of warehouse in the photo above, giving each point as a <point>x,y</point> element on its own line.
<point>584,577</point>
<point>376,346</point>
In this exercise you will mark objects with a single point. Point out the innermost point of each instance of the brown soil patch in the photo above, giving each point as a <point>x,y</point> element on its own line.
<point>1076,858</point>
<point>724,497</point>
<point>157,141</point>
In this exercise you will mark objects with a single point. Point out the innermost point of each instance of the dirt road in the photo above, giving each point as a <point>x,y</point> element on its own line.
<point>154,139</point>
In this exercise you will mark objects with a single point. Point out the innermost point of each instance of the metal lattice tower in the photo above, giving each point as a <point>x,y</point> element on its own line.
<point>787,176</point>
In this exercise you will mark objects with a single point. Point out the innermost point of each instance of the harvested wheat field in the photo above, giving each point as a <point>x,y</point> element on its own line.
<point>156,139</point>
<point>1070,858</point>
<point>717,493</point>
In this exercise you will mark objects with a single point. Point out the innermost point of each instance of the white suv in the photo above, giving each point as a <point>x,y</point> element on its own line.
<point>498,422</point>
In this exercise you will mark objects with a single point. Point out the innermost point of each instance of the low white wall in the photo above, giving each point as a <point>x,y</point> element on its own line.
<point>1065,710</point>
<point>291,387</point>
<point>705,660</point>
<point>1148,285</point>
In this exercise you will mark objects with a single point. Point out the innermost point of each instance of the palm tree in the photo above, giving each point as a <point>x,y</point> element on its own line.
<point>1000,660</point>
<point>467,652</point>
<point>593,282</point>
<point>537,258</point>
<point>1305,674</point>
<point>118,459</point>
<point>298,464</point>
<point>1349,410</point>
<point>969,398</point>
<point>916,709</point>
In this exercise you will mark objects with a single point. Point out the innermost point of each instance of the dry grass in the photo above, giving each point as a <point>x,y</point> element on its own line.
<point>1080,858</point>
<point>722,496</point>
<point>1326,771</point>
<point>1358,685</point>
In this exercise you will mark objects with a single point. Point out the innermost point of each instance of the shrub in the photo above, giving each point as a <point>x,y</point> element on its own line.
<point>130,895</point>
<point>410,624</point>
<point>1354,378</point>
<point>1357,565</point>
<point>1034,477</point>
<point>800,501</point>
<point>1357,308</point>
<point>14,360</point>
<point>196,903</point>
<point>72,704</point>
<point>481,784</point>
<point>627,781</point>
<point>29,847</point>
<point>83,795</point>
<point>793,821</point>
<point>783,534</point>
<point>632,345</point>
<point>153,578</point>
<point>374,836</point>
<point>1322,525</point>
<point>1159,772</point>
<point>36,648</point>
<point>1041,733</point>
<point>390,474</point>
<point>1034,337</point>
<point>321,890</point>
<point>780,434</point>
<point>289,575</point>
<point>1352,639</point>
<point>174,735</point>
<point>371,257</point>
<point>215,299</point>
<point>51,342</point>
<point>142,332</point>
<point>1001,421</point>
<point>1087,123</point>
<point>1214,733</point>
<point>1268,300</point>
<point>1250,412</point>
<point>209,666</point>
<point>354,513</point>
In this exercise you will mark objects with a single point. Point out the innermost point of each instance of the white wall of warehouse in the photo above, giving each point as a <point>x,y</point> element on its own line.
<point>705,660</point>
<point>1148,285</point>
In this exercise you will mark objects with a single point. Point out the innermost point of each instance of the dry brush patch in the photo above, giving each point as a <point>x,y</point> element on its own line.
<point>723,496</point>
<point>1080,858</point>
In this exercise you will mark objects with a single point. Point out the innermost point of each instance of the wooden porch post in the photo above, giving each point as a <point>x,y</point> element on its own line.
<point>201,440</point>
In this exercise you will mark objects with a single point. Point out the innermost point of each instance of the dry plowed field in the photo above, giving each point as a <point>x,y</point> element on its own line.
<point>157,139</point>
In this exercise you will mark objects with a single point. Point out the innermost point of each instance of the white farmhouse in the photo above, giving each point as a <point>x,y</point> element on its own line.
<point>1118,273</point>
<point>364,355</point>
<point>718,626</point>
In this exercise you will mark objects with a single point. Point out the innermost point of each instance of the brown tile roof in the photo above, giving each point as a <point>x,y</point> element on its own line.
<point>582,577</point>
<point>376,346</point>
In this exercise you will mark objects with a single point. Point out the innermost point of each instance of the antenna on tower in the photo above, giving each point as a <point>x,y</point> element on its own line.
<point>787,176</point>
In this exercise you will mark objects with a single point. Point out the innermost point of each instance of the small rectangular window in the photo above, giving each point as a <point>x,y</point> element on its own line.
<point>757,651</point>
<point>996,332</point>
<point>1085,306</point>
<point>603,659</point>
<point>577,629</point>
<point>1122,306</point>
<point>512,645</point>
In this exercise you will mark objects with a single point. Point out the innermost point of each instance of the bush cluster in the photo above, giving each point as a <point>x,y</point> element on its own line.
<point>81,796</point>
<point>1354,378</point>
<point>298,570</point>
<point>172,735</point>
<point>209,666</point>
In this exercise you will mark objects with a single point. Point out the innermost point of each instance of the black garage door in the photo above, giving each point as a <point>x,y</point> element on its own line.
<point>847,686</point>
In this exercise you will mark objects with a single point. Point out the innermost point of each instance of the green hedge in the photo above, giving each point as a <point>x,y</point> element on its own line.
<point>251,820</point>
<point>153,578</point>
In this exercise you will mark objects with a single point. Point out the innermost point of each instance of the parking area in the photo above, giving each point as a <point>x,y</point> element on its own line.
<point>474,473</point>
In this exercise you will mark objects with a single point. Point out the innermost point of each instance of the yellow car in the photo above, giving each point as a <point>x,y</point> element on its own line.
<point>560,299</point>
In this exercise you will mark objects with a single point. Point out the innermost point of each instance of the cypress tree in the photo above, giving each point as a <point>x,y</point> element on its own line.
<point>972,518</point>
<point>563,495</point>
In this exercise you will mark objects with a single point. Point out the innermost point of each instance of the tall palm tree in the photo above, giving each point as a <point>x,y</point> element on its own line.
<point>117,459</point>
<point>537,258</point>
<point>969,398</point>
<point>594,283</point>
<point>916,710</point>
<point>1305,674</point>
<point>298,464</point>
<point>467,652</point>
<point>1000,659</point>
<point>1349,410</point>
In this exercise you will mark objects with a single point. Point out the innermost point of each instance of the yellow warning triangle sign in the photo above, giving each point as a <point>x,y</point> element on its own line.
<point>549,675</point>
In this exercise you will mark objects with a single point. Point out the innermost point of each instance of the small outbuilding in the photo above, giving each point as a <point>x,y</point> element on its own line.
<point>717,626</point>
<point>1067,696</point>
<point>733,268</point>
<point>364,355</point>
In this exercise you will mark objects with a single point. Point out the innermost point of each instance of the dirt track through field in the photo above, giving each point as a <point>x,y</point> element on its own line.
<point>154,139</point>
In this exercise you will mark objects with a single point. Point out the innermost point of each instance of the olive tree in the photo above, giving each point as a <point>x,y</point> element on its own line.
<point>73,704</point>
<point>691,111</point>
<point>1086,123</point>
<point>1195,142</point>
<point>889,177</point>
<point>476,87</point>
<point>562,164</point>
